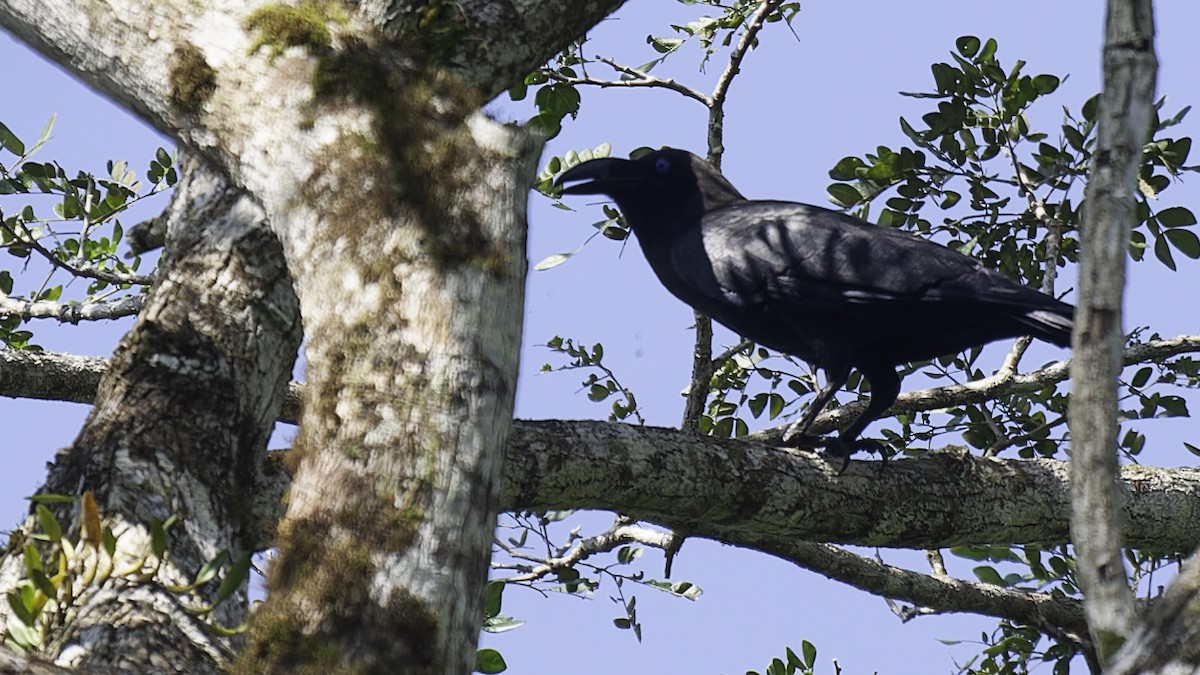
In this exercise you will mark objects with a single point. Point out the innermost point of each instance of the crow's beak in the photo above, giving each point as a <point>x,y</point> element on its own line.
<point>603,175</point>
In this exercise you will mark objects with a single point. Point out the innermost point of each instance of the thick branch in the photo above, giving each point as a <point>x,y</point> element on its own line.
<point>719,488</point>
<point>623,468</point>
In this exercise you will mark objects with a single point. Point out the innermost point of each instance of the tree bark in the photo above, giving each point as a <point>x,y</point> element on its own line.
<point>1168,640</point>
<point>401,214</point>
<point>1126,102</point>
<point>179,430</point>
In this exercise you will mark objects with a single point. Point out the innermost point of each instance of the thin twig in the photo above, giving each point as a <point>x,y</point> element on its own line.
<point>716,116</point>
<point>88,272</point>
<point>1000,446</point>
<point>640,78</point>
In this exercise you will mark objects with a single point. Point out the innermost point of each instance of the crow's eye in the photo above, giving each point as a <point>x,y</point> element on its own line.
<point>662,165</point>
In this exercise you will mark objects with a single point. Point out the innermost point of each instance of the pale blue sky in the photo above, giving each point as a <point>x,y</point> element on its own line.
<point>798,107</point>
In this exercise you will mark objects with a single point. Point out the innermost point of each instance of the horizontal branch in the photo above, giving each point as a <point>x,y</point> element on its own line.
<point>71,312</point>
<point>737,491</point>
<point>719,487</point>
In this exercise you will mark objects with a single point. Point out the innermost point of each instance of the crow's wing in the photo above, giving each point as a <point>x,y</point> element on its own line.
<point>807,258</point>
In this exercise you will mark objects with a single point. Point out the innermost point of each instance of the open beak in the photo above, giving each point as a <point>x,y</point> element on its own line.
<point>602,175</point>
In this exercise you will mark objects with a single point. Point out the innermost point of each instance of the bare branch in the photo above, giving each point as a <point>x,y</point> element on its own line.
<point>1168,641</point>
<point>620,534</point>
<point>1049,614</point>
<point>716,120</point>
<point>636,78</point>
<point>702,360</point>
<point>71,312</point>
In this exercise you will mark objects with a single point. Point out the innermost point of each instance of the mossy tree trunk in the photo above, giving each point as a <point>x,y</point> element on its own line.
<point>179,431</point>
<point>400,211</point>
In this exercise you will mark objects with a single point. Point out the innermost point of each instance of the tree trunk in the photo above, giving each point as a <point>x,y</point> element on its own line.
<point>179,431</point>
<point>400,210</point>
<point>1126,102</point>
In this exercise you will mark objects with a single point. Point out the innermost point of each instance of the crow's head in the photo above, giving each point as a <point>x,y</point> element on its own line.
<point>660,188</point>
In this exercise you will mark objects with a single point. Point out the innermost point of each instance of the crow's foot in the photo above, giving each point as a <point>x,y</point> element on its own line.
<point>838,451</point>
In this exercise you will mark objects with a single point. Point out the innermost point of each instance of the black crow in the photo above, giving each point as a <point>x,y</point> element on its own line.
<point>820,285</point>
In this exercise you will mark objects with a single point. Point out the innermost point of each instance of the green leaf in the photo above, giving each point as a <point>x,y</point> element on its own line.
<point>234,577</point>
<point>489,661</point>
<point>209,571</point>
<point>1192,449</point>
<point>1185,241</point>
<point>1163,252</point>
<point>45,135</point>
<point>810,653</point>
<point>158,538</point>
<point>1176,216</point>
<point>664,45</point>
<point>49,498</point>
<point>988,575</point>
<point>967,45</point>
<point>777,404</point>
<point>1045,84</point>
<point>757,404</point>
<point>495,597</point>
<point>846,169</point>
<point>23,613</point>
<point>49,523</point>
<point>843,194</point>
<point>1090,108</point>
<point>1142,377</point>
<point>33,559</point>
<point>989,51</point>
<point>42,583</point>
<point>10,142</point>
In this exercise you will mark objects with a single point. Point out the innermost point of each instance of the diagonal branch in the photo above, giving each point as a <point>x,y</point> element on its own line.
<point>1000,384</point>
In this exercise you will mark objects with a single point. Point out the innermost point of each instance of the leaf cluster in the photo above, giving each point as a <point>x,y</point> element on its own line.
<point>81,238</point>
<point>60,567</point>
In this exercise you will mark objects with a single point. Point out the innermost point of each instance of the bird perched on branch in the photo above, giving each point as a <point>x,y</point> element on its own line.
<point>820,285</point>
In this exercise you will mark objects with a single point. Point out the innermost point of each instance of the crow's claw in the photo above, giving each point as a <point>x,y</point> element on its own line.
<point>838,451</point>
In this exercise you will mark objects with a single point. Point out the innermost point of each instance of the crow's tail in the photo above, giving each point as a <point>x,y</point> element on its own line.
<point>1053,326</point>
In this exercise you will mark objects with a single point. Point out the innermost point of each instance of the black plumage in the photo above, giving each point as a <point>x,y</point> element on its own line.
<point>821,285</point>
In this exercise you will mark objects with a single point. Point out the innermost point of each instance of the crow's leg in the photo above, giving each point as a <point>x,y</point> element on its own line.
<point>885,387</point>
<point>835,379</point>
